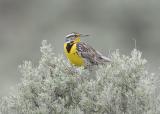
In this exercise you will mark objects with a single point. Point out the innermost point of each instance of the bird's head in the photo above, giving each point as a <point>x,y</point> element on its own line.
<point>74,37</point>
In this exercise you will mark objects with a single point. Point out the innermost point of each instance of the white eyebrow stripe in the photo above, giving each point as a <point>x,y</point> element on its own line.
<point>69,35</point>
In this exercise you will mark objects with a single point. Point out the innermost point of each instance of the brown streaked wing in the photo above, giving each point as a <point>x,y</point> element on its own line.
<point>87,52</point>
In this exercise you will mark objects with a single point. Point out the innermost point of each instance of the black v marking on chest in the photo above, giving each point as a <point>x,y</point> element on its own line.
<point>69,46</point>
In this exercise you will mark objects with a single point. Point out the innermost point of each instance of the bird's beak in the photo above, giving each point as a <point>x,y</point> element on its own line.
<point>82,35</point>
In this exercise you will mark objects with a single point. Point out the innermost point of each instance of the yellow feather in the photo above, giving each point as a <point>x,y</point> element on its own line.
<point>72,56</point>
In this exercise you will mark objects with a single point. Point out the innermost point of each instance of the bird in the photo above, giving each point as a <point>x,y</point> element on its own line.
<point>80,53</point>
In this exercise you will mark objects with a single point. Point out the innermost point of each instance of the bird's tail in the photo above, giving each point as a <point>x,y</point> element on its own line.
<point>103,58</point>
<point>106,59</point>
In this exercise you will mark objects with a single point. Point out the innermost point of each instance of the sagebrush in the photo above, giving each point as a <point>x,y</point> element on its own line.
<point>123,86</point>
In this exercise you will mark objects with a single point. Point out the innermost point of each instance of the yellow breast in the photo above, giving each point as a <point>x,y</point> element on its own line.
<point>72,56</point>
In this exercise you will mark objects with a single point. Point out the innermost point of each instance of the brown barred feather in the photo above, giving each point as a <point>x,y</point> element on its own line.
<point>90,55</point>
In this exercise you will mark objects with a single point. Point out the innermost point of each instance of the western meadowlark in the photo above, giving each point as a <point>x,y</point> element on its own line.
<point>80,53</point>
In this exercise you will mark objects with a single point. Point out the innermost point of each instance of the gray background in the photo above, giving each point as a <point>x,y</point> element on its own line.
<point>112,24</point>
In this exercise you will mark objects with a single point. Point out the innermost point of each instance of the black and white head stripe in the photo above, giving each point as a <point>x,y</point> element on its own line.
<point>73,34</point>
